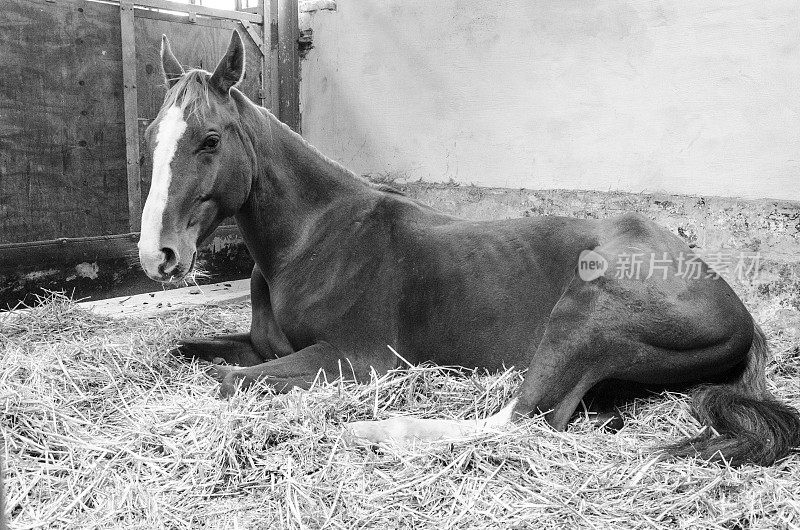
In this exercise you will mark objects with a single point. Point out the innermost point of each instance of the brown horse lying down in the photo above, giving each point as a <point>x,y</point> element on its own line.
<point>344,268</point>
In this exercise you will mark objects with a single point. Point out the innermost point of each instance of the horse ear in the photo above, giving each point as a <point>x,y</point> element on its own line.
<point>230,70</point>
<point>170,66</point>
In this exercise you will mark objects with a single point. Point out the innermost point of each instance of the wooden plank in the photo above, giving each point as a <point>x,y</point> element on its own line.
<point>272,70</point>
<point>156,303</point>
<point>62,160</point>
<point>198,10</point>
<point>181,19</point>
<point>78,249</point>
<point>255,35</point>
<point>288,64</point>
<point>129,96</point>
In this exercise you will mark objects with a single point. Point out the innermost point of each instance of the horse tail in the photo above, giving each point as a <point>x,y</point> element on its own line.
<point>744,422</point>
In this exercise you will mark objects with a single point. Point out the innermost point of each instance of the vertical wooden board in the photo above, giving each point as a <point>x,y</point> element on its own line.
<point>198,45</point>
<point>62,164</point>
<point>129,102</point>
<point>270,16</point>
<point>289,63</point>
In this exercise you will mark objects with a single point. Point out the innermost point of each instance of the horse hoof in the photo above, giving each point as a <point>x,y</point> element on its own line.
<point>181,352</point>
<point>226,389</point>
<point>610,422</point>
<point>229,380</point>
<point>218,371</point>
<point>187,351</point>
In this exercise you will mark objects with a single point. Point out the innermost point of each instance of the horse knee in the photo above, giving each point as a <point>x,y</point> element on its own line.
<point>556,398</point>
<point>559,416</point>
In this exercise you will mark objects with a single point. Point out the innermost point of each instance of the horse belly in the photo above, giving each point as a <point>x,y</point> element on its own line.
<point>475,325</point>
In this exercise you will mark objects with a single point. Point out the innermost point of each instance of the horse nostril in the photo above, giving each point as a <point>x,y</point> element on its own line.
<point>169,262</point>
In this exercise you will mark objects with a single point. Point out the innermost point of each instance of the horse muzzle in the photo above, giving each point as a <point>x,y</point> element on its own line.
<point>166,264</point>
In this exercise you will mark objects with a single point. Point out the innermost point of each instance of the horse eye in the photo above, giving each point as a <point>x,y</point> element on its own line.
<point>211,142</point>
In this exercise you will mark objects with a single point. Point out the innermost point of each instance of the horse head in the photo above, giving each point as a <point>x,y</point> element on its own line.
<point>202,162</point>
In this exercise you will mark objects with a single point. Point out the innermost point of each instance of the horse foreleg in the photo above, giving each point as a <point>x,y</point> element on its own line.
<point>299,369</point>
<point>235,348</point>
<point>265,340</point>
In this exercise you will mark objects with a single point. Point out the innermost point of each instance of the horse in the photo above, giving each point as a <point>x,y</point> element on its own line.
<point>345,268</point>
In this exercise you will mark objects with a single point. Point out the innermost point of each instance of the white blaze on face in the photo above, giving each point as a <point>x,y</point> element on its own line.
<point>170,131</point>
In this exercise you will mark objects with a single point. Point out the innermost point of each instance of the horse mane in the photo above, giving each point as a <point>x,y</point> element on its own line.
<point>190,91</point>
<point>331,162</point>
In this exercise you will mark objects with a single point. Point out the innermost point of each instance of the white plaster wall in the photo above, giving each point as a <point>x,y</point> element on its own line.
<point>698,97</point>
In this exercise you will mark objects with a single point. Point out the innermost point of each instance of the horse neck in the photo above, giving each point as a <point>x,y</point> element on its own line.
<point>295,189</point>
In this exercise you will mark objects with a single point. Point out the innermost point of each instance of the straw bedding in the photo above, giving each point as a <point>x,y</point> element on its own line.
<point>102,429</point>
